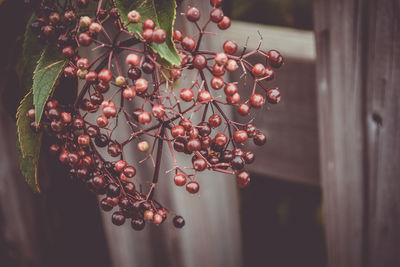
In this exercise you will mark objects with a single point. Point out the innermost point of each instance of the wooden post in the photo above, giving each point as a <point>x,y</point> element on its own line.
<point>358,72</point>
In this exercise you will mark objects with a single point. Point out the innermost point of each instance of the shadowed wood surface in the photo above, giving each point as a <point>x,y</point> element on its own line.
<point>358,74</point>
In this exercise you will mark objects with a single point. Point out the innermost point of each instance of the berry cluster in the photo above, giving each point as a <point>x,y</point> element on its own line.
<point>165,114</point>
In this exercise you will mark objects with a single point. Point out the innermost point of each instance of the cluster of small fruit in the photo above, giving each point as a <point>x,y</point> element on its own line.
<point>215,142</point>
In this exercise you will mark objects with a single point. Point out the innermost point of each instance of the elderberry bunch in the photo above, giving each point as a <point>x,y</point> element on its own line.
<point>146,98</point>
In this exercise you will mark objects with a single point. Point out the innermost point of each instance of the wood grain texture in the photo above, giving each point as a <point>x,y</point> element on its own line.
<point>357,79</point>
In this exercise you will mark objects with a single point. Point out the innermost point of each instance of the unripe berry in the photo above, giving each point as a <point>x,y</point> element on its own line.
<point>143,146</point>
<point>148,215</point>
<point>120,80</point>
<point>275,59</point>
<point>134,16</point>
<point>81,73</point>
<point>85,21</point>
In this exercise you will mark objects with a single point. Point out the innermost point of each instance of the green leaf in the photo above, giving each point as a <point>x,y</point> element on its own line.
<point>163,12</point>
<point>31,51</point>
<point>45,77</point>
<point>28,143</point>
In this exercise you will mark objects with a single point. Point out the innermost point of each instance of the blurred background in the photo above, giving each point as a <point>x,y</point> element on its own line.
<point>280,219</point>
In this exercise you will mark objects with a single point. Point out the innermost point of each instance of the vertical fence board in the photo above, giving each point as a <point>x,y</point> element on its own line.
<point>357,75</point>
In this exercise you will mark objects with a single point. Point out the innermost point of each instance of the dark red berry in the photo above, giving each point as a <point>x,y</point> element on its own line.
<point>216,15</point>
<point>215,120</point>
<point>192,187</point>
<point>259,139</point>
<point>240,136</point>
<point>225,23</point>
<point>188,43</point>
<point>244,109</point>
<point>178,221</point>
<point>193,14</point>
<point>118,218</point>
<point>273,96</point>
<point>85,39</point>
<point>138,224</point>
<point>180,179</point>
<point>148,24</point>
<point>199,164</point>
<point>159,36</point>
<point>249,157</point>
<point>243,179</point>
<point>199,62</point>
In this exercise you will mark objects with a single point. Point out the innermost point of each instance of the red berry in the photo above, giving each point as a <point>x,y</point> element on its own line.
<point>82,63</point>
<point>256,100</point>
<point>83,140</point>
<point>269,74</point>
<point>105,75</point>
<point>193,145</point>
<point>158,111</point>
<point>199,164</point>
<point>216,15</point>
<point>148,24</point>
<point>218,70</point>
<point>230,47</point>
<point>217,83</point>
<point>216,3</point>
<point>221,139</point>
<point>273,96</point>
<point>141,85</point>
<point>91,77</point>
<point>215,120</point>
<point>186,94</point>
<point>120,165</point>
<point>70,71</point>
<point>234,99</point>
<point>180,179</point>
<point>159,36</point>
<point>192,14</point>
<point>199,62</point>
<point>148,35</point>
<point>192,187</point>
<point>110,111</point>
<point>244,109</point>
<point>259,139</point>
<point>84,39</point>
<point>177,131</point>
<point>258,70</point>
<point>240,136</point>
<point>178,36</point>
<point>102,121</point>
<point>129,171</point>
<point>68,52</point>
<point>129,93</point>
<point>204,96</point>
<point>133,60</point>
<point>249,157</point>
<point>225,23</point>
<point>188,43</point>
<point>231,65</point>
<point>221,58</point>
<point>230,89</point>
<point>275,59</point>
<point>243,179</point>
<point>144,117</point>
